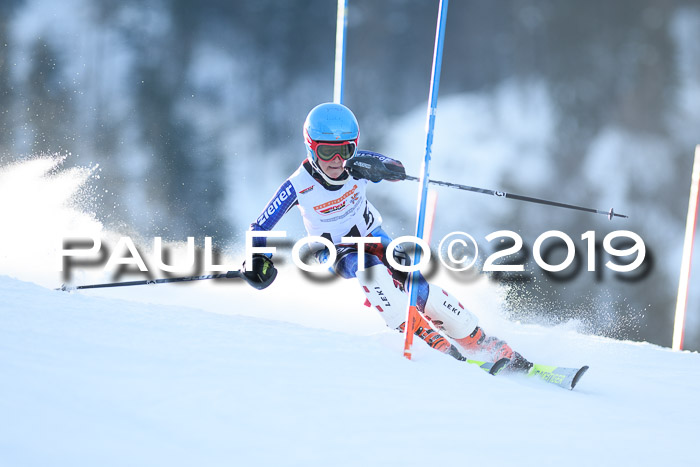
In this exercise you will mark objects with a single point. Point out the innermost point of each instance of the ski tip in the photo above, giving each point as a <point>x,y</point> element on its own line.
<point>578,376</point>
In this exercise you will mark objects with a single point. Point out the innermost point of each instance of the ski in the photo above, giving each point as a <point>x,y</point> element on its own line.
<point>563,377</point>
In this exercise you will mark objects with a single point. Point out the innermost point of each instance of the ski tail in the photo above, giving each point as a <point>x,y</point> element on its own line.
<point>578,375</point>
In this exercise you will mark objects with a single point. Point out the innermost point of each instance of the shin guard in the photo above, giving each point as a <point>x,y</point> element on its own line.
<point>382,293</point>
<point>447,314</point>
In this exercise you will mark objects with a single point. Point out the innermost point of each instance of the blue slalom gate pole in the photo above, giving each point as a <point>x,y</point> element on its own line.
<point>412,312</point>
<point>340,34</point>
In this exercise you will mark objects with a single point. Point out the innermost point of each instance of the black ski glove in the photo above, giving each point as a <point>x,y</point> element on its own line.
<point>395,170</point>
<point>365,167</point>
<point>261,273</point>
<point>375,168</point>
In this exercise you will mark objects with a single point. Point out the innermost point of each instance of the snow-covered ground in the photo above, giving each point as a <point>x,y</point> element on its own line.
<point>216,373</point>
<point>90,380</point>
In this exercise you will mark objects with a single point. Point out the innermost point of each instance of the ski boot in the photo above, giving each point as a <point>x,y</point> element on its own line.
<point>518,364</point>
<point>434,339</point>
<point>496,349</point>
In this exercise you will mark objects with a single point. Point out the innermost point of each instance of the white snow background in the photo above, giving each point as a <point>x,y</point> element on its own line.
<point>216,373</point>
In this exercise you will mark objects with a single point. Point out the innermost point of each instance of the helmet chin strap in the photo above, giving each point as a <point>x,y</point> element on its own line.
<point>342,180</point>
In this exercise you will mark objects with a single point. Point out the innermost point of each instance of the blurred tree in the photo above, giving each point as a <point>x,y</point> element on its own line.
<point>49,104</point>
<point>185,182</point>
<point>7,120</point>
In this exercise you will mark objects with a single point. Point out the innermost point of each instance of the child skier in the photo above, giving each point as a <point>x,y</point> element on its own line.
<point>330,190</point>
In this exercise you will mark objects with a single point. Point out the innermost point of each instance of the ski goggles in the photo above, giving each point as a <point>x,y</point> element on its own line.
<point>327,151</point>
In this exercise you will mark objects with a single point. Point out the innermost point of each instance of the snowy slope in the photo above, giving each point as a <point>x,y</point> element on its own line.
<point>91,380</point>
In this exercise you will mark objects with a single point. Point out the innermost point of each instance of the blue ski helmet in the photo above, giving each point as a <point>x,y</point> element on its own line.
<point>330,123</point>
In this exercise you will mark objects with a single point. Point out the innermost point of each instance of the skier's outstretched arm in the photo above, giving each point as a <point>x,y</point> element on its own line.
<point>262,270</point>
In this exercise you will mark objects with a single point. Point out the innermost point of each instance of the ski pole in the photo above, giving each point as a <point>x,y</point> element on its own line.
<point>502,194</point>
<point>227,275</point>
